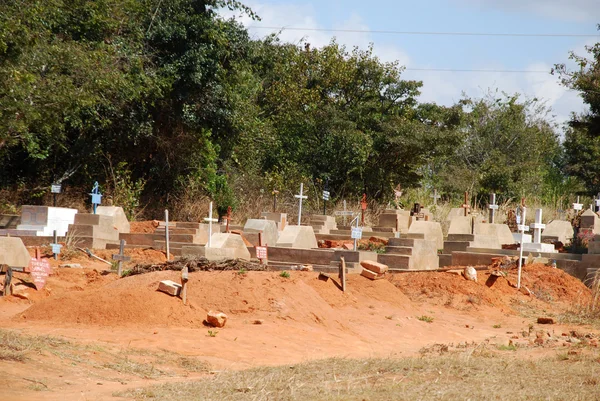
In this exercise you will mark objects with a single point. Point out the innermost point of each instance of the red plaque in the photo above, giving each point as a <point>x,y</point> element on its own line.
<point>39,270</point>
<point>261,252</point>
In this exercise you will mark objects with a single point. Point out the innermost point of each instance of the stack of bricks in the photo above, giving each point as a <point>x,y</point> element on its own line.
<point>373,270</point>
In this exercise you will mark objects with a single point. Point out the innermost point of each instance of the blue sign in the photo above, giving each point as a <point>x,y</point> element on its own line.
<point>56,248</point>
<point>96,196</point>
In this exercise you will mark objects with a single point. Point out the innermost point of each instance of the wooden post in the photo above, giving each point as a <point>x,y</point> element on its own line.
<point>466,205</point>
<point>56,242</point>
<point>363,207</point>
<point>342,274</point>
<point>228,218</point>
<point>7,281</point>
<point>184,281</point>
<point>167,234</point>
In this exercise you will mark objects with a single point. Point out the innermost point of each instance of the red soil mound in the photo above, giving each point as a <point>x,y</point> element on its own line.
<point>135,301</point>
<point>143,227</point>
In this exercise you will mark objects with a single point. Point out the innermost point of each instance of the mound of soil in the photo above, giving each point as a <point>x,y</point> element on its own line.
<point>135,301</point>
<point>143,227</point>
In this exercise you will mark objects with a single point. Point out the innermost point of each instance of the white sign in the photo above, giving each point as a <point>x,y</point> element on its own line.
<point>326,195</point>
<point>261,252</point>
<point>56,248</point>
<point>356,233</point>
<point>55,188</point>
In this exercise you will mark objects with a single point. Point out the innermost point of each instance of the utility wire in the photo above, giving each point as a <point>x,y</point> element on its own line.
<point>476,70</point>
<point>520,35</point>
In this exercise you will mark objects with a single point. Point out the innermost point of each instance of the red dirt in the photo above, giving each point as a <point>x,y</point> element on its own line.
<point>143,227</point>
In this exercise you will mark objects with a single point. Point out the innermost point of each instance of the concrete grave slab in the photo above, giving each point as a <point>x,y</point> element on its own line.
<point>455,212</point>
<point>461,225</point>
<point>559,230</point>
<point>44,220</point>
<point>279,218</point>
<point>589,220</point>
<point>270,233</point>
<point>302,237</point>
<point>229,241</point>
<point>13,252</point>
<point>120,221</point>
<point>431,230</point>
<point>500,231</point>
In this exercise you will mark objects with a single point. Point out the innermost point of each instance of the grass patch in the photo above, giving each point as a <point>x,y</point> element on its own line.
<point>509,347</point>
<point>447,377</point>
<point>15,346</point>
<point>284,274</point>
<point>497,326</point>
<point>425,318</point>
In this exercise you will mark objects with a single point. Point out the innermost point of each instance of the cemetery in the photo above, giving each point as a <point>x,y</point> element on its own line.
<point>97,271</point>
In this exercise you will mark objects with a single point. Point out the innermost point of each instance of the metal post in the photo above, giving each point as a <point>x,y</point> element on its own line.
<point>121,253</point>
<point>355,240</point>
<point>56,242</point>
<point>167,234</point>
<point>54,199</point>
<point>521,248</point>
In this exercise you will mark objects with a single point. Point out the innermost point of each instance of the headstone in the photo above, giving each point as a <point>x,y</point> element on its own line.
<point>466,206</point>
<point>431,230</point>
<point>345,213</point>
<point>500,231</point>
<point>461,225</point>
<point>268,228</point>
<point>537,244</point>
<point>363,207</point>
<point>455,212</point>
<point>120,221</point>
<point>210,220</point>
<point>435,197</point>
<point>301,237</point>
<point>300,197</point>
<point>120,258</point>
<point>279,218</point>
<point>41,221</point>
<point>39,270</point>
<point>577,206</point>
<point>13,252</point>
<point>589,220</point>
<point>96,196</point>
<point>558,230</point>
<point>233,242</point>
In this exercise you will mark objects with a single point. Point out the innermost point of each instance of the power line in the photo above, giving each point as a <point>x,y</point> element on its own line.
<point>476,70</point>
<point>519,35</point>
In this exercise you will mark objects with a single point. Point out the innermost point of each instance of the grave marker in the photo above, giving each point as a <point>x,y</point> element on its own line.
<point>435,196</point>
<point>466,205</point>
<point>577,206</point>
<point>55,189</point>
<point>326,196</point>
<point>300,196</point>
<point>210,220</point>
<point>120,257</point>
<point>167,249</point>
<point>597,203</point>
<point>275,192</point>
<point>96,196</point>
<point>55,246</point>
<point>39,269</point>
<point>493,207</point>
<point>522,227</point>
<point>342,273</point>
<point>184,281</point>
<point>228,219</point>
<point>345,213</point>
<point>363,208</point>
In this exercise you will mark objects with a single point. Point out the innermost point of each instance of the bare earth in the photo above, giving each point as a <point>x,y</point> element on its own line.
<point>123,334</point>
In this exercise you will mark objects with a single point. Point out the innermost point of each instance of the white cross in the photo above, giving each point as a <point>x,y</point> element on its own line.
<point>345,213</point>
<point>493,207</point>
<point>578,206</point>
<point>537,227</point>
<point>300,196</point>
<point>435,196</point>
<point>210,221</point>
<point>522,228</point>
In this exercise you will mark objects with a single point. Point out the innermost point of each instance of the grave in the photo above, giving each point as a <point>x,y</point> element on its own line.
<point>42,221</point>
<point>394,220</point>
<point>461,225</point>
<point>537,245</point>
<point>223,246</point>
<point>13,252</point>
<point>431,231</point>
<point>302,237</point>
<point>591,260</point>
<point>455,212</point>
<point>589,221</point>
<point>322,224</point>
<point>9,221</point>
<point>268,228</point>
<point>119,219</point>
<point>499,231</point>
<point>558,230</point>
<point>279,218</point>
<point>410,254</point>
<point>93,230</point>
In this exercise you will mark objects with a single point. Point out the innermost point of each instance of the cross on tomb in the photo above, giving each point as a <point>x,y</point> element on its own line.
<point>363,207</point>
<point>96,196</point>
<point>345,213</point>
<point>228,218</point>
<point>210,220</point>
<point>577,206</point>
<point>435,196</point>
<point>300,196</point>
<point>326,195</point>
<point>466,205</point>
<point>537,227</point>
<point>120,257</point>
<point>493,207</point>
<point>275,192</point>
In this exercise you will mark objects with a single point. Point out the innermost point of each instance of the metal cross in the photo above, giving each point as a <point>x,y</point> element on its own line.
<point>210,220</point>
<point>363,207</point>
<point>345,213</point>
<point>435,196</point>
<point>96,196</point>
<point>493,207</point>
<point>300,196</point>
<point>120,257</point>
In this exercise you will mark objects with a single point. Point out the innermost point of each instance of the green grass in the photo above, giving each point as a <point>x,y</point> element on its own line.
<point>425,318</point>
<point>284,274</point>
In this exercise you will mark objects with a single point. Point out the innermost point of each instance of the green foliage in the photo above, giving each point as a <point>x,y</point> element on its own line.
<point>284,274</point>
<point>425,318</point>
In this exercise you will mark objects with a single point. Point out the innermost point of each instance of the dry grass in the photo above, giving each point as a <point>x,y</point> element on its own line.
<point>586,313</point>
<point>17,347</point>
<point>485,374</point>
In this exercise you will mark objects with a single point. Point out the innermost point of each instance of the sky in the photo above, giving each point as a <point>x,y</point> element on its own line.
<point>417,52</point>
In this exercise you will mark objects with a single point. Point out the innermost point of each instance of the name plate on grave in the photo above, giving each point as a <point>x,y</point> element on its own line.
<point>261,252</point>
<point>356,233</point>
<point>56,248</point>
<point>55,188</point>
<point>326,195</point>
<point>39,270</point>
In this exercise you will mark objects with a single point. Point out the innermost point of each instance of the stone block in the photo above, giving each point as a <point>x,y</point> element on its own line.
<point>431,230</point>
<point>44,220</point>
<point>424,255</point>
<point>374,266</point>
<point>279,218</point>
<point>500,231</point>
<point>13,252</point>
<point>302,237</point>
<point>268,228</point>
<point>119,219</point>
<point>527,238</point>
<point>461,225</point>
<point>169,287</point>
<point>216,319</point>
<point>230,241</point>
<point>455,212</point>
<point>372,275</point>
<point>212,254</point>
<point>560,229</point>
<point>535,247</point>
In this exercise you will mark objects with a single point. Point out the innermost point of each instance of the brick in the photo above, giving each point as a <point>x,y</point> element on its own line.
<point>374,266</point>
<point>216,319</point>
<point>170,287</point>
<point>372,275</point>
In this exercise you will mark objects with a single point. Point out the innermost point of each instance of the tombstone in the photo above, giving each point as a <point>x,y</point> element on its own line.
<point>455,212</point>
<point>500,231</point>
<point>537,245</point>
<point>435,197</point>
<point>589,221</point>
<point>577,206</point>
<point>42,221</point>
<point>558,230</point>
<point>431,230</point>
<point>322,224</point>
<point>301,237</point>
<point>13,252</point>
<point>461,225</point>
<point>279,218</point>
<point>268,228</point>
<point>120,221</point>
<point>210,220</point>
<point>230,242</point>
<point>396,219</point>
<point>300,197</point>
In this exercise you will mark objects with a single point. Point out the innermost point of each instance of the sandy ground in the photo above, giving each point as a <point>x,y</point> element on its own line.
<point>303,318</point>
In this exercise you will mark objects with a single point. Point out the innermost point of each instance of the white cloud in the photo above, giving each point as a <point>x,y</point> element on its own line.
<point>576,10</point>
<point>444,88</point>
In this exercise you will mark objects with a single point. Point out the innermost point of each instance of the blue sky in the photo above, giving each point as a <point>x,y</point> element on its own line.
<point>451,52</point>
